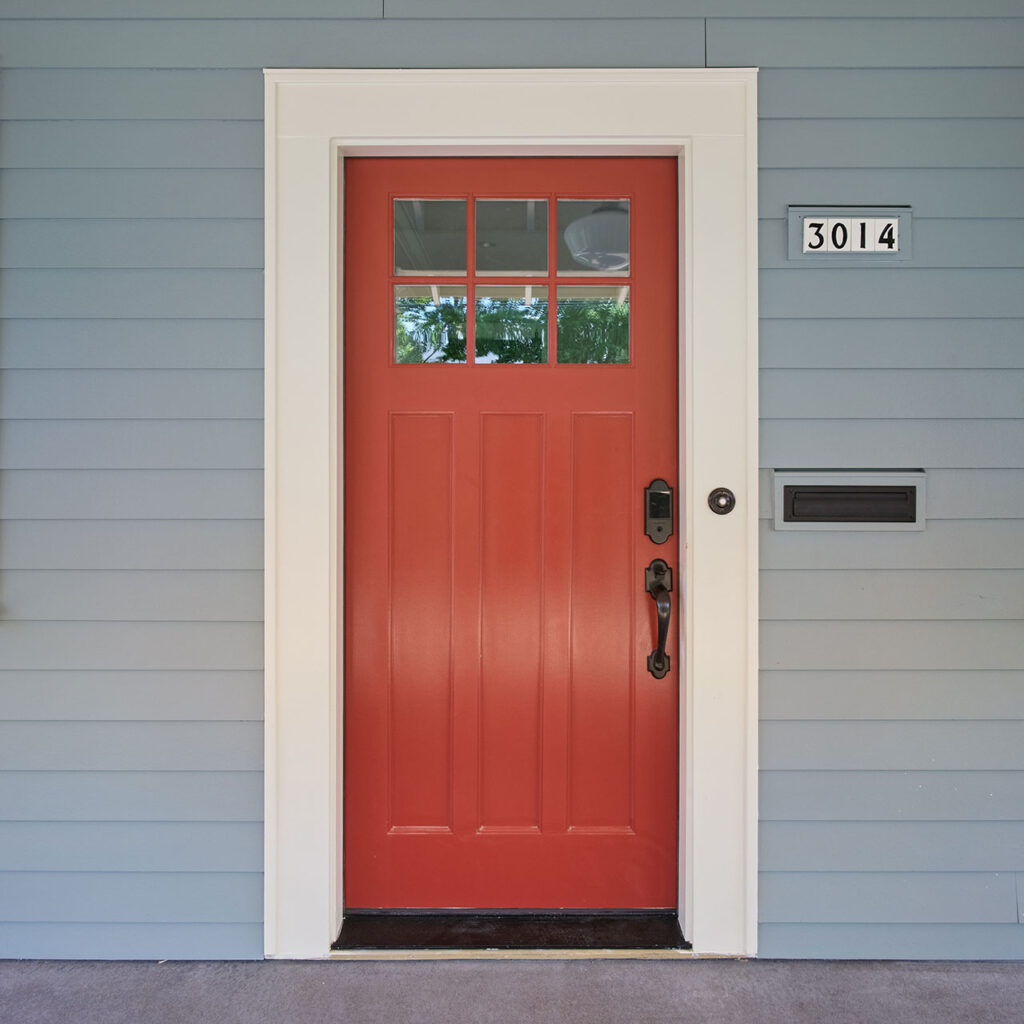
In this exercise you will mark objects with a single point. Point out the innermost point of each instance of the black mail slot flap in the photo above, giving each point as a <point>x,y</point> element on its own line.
<point>850,503</point>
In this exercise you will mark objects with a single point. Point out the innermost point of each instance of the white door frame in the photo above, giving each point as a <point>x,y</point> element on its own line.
<point>314,119</point>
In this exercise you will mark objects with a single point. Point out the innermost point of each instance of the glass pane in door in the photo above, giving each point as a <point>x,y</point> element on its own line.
<point>512,236</point>
<point>430,236</point>
<point>593,237</point>
<point>430,323</point>
<point>593,324</point>
<point>511,324</point>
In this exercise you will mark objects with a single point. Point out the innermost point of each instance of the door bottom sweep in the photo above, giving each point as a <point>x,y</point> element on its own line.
<point>400,929</point>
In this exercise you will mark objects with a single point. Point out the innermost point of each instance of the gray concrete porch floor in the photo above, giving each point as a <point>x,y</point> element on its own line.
<point>546,991</point>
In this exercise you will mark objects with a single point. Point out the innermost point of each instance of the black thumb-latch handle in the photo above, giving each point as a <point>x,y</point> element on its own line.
<point>658,583</point>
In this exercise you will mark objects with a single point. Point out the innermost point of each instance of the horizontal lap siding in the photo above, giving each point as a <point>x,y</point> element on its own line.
<point>168,344</point>
<point>131,535</point>
<point>132,795</point>
<point>132,494</point>
<point>145,898</point>
<point>188,543</point>
<point>144,244</point>
<point>131,444</point>
<point>131,199</point>
<point>463,9</point>
<point>116,941</point>
<point>892,700</point>
<point>332,42</point>
<point>972,343</point>
<point>926,794</point>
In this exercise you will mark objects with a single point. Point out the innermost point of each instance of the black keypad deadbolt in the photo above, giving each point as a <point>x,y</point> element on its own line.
<point>658,511</point>
<point>721,501</point>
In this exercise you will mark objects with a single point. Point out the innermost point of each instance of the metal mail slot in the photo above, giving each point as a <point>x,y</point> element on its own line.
<point>856,500</point>
<point>855,504</point>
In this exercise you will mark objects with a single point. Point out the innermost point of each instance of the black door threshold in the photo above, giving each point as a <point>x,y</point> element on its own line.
<point>616,929</point>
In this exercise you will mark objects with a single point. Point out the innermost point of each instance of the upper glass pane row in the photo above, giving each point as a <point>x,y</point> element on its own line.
<point>591,236</point>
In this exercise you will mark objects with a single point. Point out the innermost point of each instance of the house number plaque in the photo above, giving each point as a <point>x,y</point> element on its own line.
<point>849,235</point>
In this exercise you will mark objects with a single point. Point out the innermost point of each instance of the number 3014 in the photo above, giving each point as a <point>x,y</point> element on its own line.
<point>851,234</point>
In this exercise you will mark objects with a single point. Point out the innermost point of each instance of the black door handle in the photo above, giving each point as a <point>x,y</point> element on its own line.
<point>658,583</point>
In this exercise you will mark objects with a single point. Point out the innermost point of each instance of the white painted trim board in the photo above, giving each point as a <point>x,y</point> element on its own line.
<point>313,120</point>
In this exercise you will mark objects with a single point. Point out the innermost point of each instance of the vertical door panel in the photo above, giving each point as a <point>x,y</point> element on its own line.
<point>602,600</point>
<point>419,698</point>
<point>511,613</point>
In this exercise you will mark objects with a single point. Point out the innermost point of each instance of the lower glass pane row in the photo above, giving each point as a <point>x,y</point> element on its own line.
<point>592,322</point>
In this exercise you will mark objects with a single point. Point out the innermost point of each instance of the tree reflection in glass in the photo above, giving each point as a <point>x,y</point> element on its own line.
<point>593,324</point>
<point>512,324</point>
<point>430,324</point>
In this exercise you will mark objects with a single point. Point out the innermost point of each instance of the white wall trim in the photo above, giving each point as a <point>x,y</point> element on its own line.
<point>313,120</point>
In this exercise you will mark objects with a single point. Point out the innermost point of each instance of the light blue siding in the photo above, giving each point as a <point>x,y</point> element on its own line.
<point>204,846</point>
<point>892,695</point>
<point>156,244</point>
<point>225,9</point>
<point>132,796</point>
<point>228,544</point>
<point>880,594</point>
<point>687,8</point>
<point>957,494</point>
<point>876,142</point>
<point>132,394</point>
<point>908,293</point>
<point>150,596</point>
<point>873,795</point>
<point>131,444</point>
<point>860,42</point>
<point>131,746</point>
<point>171,344</point>
<point>925,698</point>
<point>131,293</point>
<point>895,941</point>
<point>912,846</point>
<point>132,144</point>
<point>843,93</point>
<point>132,494</point>
<point>967,192</point>
<point>113,192</point>
<point>134,898</point>
<point>890,897</point>
<point>418,43</point>
<point>893,746</point>
<point>880,645</point>
<point>897,394</point>
<point>75,696</point>
<point>106,941</point>
<point>894,343</point>
<point>945,544</point>
<point>131,248</point>
<point>970,443</point>
<point>115,646</point>
<point>90,94</point>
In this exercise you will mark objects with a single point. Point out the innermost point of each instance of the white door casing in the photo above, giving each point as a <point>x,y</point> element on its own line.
<point>314,119</point>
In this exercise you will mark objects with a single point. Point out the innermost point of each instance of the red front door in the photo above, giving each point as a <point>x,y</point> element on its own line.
<point>510,382</point>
